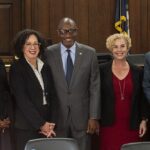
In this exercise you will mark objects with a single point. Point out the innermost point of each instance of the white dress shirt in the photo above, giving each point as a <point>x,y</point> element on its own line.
<point>38,74</point>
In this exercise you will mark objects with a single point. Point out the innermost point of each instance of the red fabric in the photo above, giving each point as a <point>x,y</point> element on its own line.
<point>111,138</point>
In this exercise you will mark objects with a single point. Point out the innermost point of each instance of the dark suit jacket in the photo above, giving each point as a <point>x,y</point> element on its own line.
<point>4,92</point>
<point>29,113</point>
<point>81,98</point>
<point>146,80</point>
<point>139,108</point>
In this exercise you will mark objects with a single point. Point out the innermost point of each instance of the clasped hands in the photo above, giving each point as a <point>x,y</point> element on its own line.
<point>48,129</point>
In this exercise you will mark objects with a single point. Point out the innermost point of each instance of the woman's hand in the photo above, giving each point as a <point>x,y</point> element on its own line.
<point>142,128</point>
<point>4,123</point>
<point>48,129</point>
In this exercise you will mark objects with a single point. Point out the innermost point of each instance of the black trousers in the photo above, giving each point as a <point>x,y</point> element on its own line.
<point>22,136</point>
<point>6,142</point>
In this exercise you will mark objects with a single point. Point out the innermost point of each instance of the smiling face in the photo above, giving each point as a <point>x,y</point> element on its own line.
<point>31,48</point>
<point>67,31</point>
<point>119,49</point>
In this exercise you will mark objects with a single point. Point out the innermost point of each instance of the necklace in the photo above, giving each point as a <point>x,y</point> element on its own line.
<point>122,89</point>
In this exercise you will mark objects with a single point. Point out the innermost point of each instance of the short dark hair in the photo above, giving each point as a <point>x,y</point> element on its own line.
<point>66,20</point>
<point>21,38</point>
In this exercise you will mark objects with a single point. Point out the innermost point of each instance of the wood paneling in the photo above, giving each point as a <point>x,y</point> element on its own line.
<point>6,31</point>
<point>148,26</point>
<point>10,23</point>
<point>95,19</point>
<point>100,22</point>
<point>140,25</point>
<point>134,24</point>
<point>144,26</point>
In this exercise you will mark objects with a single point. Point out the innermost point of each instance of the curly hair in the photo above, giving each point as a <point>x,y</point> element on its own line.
<point>112,38</point>
<point>21,38</point>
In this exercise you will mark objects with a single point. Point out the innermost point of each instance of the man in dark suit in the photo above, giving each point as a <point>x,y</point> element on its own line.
<point>32,89</point>
<point>78,107</point>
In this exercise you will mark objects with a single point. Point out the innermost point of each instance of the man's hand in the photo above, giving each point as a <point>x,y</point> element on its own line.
<point>4,123</point>
<point>93,126</point>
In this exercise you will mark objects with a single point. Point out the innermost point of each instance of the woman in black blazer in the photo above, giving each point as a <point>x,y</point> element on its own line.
<point>4,99</point>
<point>5,113</point>
<point>124,110</point>
<point>32,89</point>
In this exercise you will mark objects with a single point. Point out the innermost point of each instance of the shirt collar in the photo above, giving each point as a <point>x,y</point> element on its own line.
<point>72,49</point>
<point>39,64</point>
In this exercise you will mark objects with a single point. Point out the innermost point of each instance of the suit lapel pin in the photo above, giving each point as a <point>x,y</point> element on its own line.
<point>80,53</point>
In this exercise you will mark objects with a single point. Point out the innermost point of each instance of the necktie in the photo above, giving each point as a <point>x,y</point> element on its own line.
<point>69,67</point>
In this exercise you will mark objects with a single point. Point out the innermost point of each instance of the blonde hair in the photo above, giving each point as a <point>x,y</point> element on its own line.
<point>112,38</point>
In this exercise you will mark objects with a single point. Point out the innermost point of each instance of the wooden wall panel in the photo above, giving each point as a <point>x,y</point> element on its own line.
<point>69,8</point>
<point>27,11</point>
<point>56,11</point>
<point>37,16</point>
<point>10,23</point>
<point>95,19</point>
<point>82,19</point>
<point>17,17</point>
<point>148,26</point>
<point>139,25</point>
<point>134,24</point>
<point>6,30</point>
<point>144,26</point>
<point>101,22</point>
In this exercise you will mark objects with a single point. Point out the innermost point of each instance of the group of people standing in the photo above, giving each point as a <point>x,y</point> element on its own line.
<point>61,91</point>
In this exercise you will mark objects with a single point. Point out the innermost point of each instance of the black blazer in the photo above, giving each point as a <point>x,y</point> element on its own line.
<point>29,113</point>
<point>4,92</point>
<point>139,108</point>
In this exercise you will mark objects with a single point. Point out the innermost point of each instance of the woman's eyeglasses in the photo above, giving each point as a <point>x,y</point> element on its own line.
<point>30,45</point>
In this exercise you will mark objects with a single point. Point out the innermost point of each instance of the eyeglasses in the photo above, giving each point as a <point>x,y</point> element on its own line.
<point>35,45</point>
<point>65,31</point>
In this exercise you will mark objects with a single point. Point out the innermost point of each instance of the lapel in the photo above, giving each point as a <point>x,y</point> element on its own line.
<point>45,77</point>
<point>78,59</point>
<point>135,79</point>
<point>59,65</point>
<point>31,75</point>
<point>108,78</point>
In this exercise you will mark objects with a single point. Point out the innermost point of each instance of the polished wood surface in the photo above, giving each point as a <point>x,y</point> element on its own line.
<point>95,20</point>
